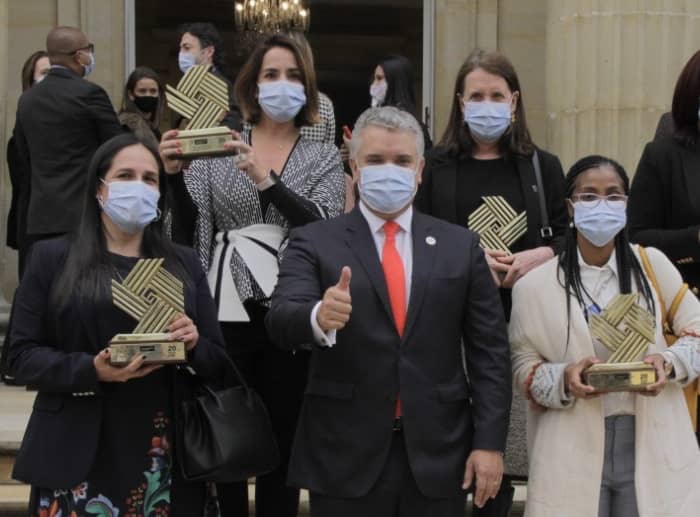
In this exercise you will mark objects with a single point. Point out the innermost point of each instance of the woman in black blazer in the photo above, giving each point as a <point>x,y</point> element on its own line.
<point>100,437</point>
<point>482,176</point>
<point>664,203</point>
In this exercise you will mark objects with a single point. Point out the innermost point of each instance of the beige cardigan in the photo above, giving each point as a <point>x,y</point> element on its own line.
<point>566,446</point>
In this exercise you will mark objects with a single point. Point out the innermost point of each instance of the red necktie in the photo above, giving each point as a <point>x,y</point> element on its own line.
<point>395,282</point>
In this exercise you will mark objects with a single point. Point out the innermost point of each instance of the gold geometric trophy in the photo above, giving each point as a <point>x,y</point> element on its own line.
<point>153,296</point>
<point>626,329</point>
<point>202,99</point>
<point>497,224</point>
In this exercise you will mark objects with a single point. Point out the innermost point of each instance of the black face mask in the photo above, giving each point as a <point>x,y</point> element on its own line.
<point>147,104</point>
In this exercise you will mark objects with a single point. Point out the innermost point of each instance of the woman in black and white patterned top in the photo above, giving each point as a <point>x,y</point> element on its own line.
<point>244,207</point>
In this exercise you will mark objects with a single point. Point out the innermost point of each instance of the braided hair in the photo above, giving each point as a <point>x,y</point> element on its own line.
<point>628,265</point>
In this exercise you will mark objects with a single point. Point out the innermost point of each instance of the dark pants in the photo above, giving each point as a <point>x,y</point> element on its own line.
<point>501,505</point>
<point>279,377</point>
<point>395,494</point>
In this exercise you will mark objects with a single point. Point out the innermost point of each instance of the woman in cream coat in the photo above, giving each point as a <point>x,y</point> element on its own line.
<point>613,455</point>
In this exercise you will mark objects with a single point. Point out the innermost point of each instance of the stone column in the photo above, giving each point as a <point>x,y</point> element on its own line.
<point>23,28</point>
<point>611,71</point>
<point>460,25</point>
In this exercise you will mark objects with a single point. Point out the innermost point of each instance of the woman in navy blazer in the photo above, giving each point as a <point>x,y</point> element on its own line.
<point>100,437</point>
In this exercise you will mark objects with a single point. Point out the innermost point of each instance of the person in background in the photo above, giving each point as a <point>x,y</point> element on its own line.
<point>100,436</point>
<point>486,150</point>
<point>201,44</point>
<point>664,208</point>
<point>620,454</point>
<point>395,303</point>
<point>393,84</point>
<point>61,121</point>
<point>244,207</point>
<point>143,104</point>
<point>35,69</point>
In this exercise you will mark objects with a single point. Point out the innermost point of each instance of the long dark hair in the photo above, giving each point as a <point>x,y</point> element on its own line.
<point>400,82</point>
<point>28,69</point>
<point>143,72</point>
<point>684,108</point>
<point>88,270</point>
<point>628,266</point>
<point>457,139</point>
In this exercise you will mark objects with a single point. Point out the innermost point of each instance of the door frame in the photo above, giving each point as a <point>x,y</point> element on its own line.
<point>428,79</point>
<point>428,90</point>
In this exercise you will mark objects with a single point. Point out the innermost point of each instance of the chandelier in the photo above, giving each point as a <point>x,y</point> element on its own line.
<point>270,16</point>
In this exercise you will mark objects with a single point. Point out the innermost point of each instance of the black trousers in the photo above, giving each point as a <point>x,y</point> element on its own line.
<point>279,377</point>
<point>395,494</point>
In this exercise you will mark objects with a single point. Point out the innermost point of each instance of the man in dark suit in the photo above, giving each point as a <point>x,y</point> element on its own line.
<point>60,123</point>
<point>201,44</point>
<point>397,303</point>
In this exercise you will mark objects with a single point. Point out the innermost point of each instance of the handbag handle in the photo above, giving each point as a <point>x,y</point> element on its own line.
<point>666,317</point>
<point>211,391</point>
<point>546,231</point>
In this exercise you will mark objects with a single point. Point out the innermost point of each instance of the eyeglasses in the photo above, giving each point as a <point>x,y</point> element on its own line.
<point>90,47</point>
<point>591,200</point>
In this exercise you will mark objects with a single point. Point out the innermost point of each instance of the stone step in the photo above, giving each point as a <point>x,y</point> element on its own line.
<point>15,408</point>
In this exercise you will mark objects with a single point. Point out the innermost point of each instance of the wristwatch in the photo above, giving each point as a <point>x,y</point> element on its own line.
<point>270,180</point>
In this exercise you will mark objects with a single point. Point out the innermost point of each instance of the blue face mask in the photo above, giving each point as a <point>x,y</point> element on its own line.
<point>185,61</point>
<point>387,188</point>
<point>281,100</point>
<point>90,67</point>
<point>600,224</point>
<point>131,205</point>
<point>487,120</point>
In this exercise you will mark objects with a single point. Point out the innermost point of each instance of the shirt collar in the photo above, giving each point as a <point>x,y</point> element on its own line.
<point>376,223</point>
<point>610,265</point>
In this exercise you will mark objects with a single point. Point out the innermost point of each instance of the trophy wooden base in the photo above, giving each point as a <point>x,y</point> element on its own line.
<point>156,347</point>
<point>608,377</point>
<point>207,142</point>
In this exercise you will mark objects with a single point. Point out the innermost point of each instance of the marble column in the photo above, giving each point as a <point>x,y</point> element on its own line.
<point>23,28</point>
<point>611,67</point>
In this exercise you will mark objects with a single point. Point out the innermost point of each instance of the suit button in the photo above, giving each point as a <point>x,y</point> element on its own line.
<point>695,290</point>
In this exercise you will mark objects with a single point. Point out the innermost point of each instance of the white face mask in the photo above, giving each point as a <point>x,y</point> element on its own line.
<point>378,93</point>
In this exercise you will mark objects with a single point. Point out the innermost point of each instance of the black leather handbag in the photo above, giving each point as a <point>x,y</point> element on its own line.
<point>223,435</point>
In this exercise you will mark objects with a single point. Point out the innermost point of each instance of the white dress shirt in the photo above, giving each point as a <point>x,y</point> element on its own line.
<point>404,245</point>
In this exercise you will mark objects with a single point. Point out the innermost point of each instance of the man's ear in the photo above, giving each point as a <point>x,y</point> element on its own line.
<point>209,52</point>
<point>355,168</point>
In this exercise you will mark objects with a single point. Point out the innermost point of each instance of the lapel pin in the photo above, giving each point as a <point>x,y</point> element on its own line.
<point>430,240</point>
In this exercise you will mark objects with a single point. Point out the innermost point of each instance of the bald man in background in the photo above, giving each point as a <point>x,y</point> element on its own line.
<point>60,123</point>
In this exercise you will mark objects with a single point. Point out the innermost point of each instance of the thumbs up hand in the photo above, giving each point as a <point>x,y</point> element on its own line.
<point>336,305</point>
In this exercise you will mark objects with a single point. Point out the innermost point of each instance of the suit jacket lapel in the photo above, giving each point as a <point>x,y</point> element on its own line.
<point>528,184</point>
<point>424,248</point>
<point>359,239</point>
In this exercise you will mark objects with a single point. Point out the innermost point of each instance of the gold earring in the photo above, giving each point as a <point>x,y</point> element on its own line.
<point>512,118</point>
